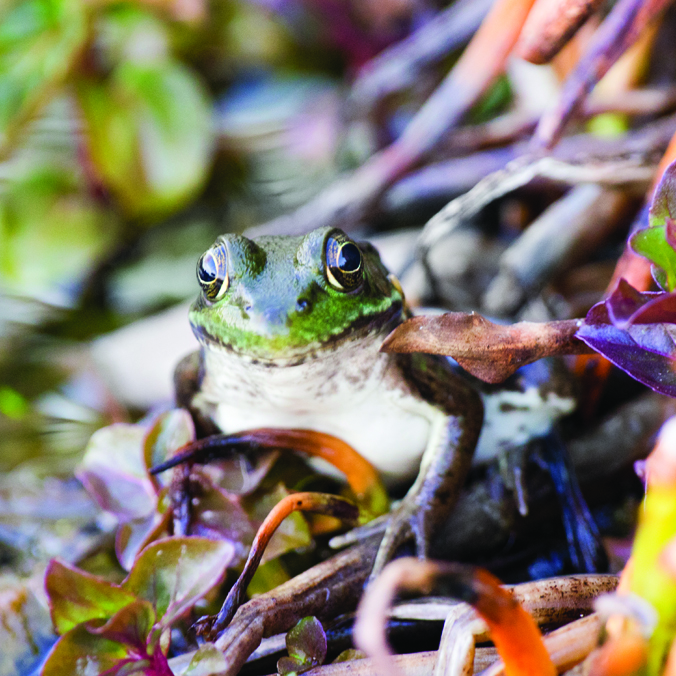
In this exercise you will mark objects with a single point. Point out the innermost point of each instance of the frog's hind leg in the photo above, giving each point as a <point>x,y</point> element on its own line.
<point>445,463</point>
<point>429,501</point>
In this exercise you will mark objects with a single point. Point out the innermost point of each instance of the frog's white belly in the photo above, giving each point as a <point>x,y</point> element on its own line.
<point>354,394</point>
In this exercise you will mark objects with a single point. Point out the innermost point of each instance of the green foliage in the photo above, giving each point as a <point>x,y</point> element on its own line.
<point>114,628</point>
<point>48,232</point>
<point>40,41</point>
<point>149,134</point>
<point>174,573</point>
<point>656,242</point>
<point>206,661</point>
<point>76,596</point>
<point>140,131</point>
<point>306,645</point>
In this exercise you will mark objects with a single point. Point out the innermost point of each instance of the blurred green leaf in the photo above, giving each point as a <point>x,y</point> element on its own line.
<point>127,32</point>
<point>40,41</point>
<point>12,404</point>
<point>306,644</point>
<point>149,134</point>
<point>81,653</point>
<point>76,596</point>
<point>649,579</point>
<point>176,572</point>
<point>50,233</point>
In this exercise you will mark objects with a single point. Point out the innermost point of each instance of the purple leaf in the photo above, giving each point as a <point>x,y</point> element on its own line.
<point>670,232</point>
<point>664,202</point>
<point>623,303</point>
<point>133,536</point>
<point>114,474</point>
<point>218,515</point>
<point>661,308</point>
<point>644,349</point>
<point>171,431</point>
<point>240,473</point>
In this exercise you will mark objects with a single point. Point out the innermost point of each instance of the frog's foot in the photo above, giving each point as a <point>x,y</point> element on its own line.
<point>403,523</point>
<point>406,521</point>
<point>361,533</point>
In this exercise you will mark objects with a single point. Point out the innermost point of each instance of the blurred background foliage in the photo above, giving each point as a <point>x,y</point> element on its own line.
<point>131,135</point>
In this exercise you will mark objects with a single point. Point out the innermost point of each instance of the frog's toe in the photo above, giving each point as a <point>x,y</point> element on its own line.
<point>360,533</point>
<point>406,522</point>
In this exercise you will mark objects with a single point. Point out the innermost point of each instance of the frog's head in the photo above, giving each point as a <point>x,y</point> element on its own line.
<point>283,298</point>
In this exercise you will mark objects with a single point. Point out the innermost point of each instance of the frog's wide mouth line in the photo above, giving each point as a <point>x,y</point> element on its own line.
<point>264,351</point>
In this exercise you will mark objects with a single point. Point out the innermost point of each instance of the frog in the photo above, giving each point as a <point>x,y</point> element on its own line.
<point>290,330</point>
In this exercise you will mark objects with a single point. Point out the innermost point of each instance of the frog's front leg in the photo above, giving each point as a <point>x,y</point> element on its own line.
<point>454,433</point>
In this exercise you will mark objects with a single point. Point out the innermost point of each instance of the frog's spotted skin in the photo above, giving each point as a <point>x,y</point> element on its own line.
<point>291,339</point>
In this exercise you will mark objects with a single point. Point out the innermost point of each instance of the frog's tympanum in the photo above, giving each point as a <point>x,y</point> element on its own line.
<point>290,329</point>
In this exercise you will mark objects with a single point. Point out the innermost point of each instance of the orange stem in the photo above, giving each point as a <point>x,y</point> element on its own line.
<point>513,631</point>
<point>321,503</point>
<point>361,475</point>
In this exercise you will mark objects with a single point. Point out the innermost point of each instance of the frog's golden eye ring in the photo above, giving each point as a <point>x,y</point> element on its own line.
<point>212,273</point>
<point>344,262</point>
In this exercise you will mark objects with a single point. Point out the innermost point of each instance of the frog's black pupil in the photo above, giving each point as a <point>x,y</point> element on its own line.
<point>349,258</point>
<point>208,269</point>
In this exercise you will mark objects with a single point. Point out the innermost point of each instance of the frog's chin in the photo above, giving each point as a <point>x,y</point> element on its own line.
<point>273,355</point>
<point>281,351</point>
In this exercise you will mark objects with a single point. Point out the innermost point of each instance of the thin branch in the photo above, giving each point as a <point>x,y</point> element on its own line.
<point>346,202</point>
<point>550,25</point>
<point>621,28</point>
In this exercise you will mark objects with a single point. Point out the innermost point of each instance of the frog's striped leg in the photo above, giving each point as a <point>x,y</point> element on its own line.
<point>447,458</point>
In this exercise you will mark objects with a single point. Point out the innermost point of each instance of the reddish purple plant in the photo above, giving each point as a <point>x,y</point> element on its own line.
<point>113,629</point>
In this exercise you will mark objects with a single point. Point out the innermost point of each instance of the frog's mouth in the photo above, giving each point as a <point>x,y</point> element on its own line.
<point>294,347</point>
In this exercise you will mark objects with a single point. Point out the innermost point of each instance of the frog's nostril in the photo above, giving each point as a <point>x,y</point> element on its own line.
<point>274,315</point>
<point>302,305</point>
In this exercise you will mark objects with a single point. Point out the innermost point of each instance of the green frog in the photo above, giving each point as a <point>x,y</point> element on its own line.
<point>290,330</point>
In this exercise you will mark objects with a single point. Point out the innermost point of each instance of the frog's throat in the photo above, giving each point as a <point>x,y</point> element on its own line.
<point>266,350</point>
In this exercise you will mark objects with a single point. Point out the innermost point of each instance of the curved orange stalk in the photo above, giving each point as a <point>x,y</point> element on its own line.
<point>512,629</point>
<point>321,503</point>
<point>361,475</point>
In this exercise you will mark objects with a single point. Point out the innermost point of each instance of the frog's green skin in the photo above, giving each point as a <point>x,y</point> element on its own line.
<point>283,347</point>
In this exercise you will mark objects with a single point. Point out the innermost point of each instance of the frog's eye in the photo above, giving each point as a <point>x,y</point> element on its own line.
<point>344,262</point>
<point>212,273</point>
